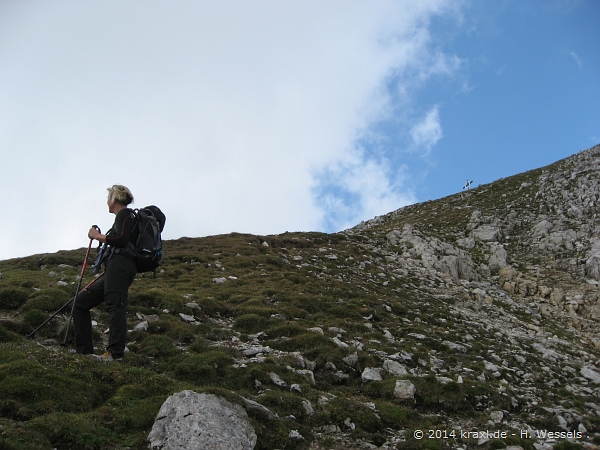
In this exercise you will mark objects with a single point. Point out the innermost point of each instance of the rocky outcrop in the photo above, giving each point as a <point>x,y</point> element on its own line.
<point>432,253</point>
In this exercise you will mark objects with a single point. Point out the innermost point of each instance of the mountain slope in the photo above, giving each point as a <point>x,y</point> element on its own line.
<point>474,312</point>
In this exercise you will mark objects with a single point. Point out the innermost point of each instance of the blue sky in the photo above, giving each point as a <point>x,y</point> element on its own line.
<point>265,117</point>
<point>524,92</point>
<point>533,88</point>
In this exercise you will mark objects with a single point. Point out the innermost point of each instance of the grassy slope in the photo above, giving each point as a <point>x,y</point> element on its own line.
<point>50,398</point>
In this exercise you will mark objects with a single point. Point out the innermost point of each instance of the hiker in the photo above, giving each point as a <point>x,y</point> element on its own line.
<point>112,287</point>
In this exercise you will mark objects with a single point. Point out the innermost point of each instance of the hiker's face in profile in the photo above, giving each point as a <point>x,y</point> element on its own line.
<point>111,205</point>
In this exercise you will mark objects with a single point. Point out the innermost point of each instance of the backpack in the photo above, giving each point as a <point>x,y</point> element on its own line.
<point>149,223</point>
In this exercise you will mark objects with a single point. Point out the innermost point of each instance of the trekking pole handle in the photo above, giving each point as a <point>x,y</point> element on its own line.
<point>97,228</point>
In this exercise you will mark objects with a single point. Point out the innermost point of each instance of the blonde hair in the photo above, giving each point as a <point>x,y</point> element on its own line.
<point>119,193</point>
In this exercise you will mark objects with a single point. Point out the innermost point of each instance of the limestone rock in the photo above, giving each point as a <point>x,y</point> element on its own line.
<point>253,351</point>
<point>405,390</point>
<point>394,368</point>
<point>590,374</point>
<point>258,410</point>
<point>341,377</point>
<point>592,265</point>
<point>295,436</point>
<point>201,421</point>
<point>542,228</point>
<point>498,258</point>
<point>371,374</point>
<point>142,326</point>
<point>187,318</point>
<point>496,416</point>
<point>340,343</point>
<point>508,273</point>
<point>308,408</point>
<point>316,330</point>
<point>308,374</point>
<point>277,380</point>
<point>455,346</point>
<point>487,233</point>
<point>352,359</point>
<point>466,243</point>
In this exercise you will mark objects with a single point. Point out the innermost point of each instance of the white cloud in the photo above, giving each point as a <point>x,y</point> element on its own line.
<point>219,112</point>
<point>577,60</point>
<point>426,133</point>
<point>360,188</point>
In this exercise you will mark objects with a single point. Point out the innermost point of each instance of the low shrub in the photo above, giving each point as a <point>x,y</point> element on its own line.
<point>397,417</point>
<point>152,299</point>
<point>13,298</point>
<point>307,341</point>
<point>158,345</point>
<point>47,300</point>
<point>250,323</point>
<point>207,367</point>
<point>362,416</point>
<point>34,317</point>
<point>198,346</point>
<point>9,335</point>
<point>182,332</point>
<point>288,330</point>
<point>283,402</point>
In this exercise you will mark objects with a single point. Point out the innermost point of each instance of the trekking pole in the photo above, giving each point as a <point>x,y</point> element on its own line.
<point>30,335</point>
<point>79,286</point>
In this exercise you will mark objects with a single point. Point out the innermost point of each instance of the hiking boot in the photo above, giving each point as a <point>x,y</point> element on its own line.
<point>107,357</point>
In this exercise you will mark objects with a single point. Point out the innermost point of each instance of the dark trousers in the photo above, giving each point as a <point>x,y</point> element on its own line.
<point>111,289</point>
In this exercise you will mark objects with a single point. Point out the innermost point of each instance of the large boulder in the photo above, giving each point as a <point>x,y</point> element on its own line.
<point>201,421</point>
